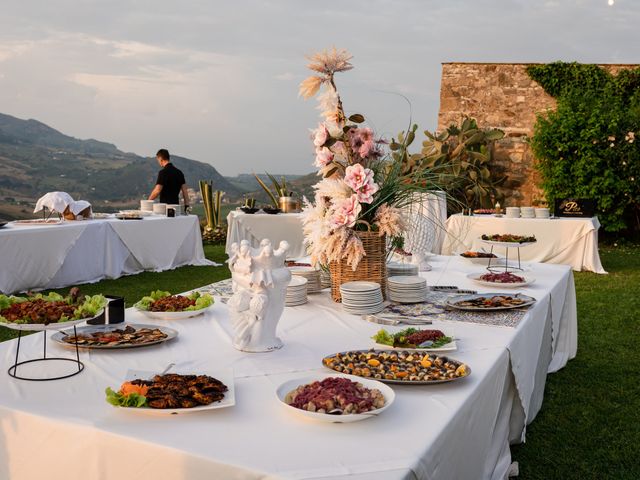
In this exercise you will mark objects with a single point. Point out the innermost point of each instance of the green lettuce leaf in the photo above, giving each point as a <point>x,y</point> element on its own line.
<point>91,306</point>
<point>202,301</point>
<point>383,337</point>
<point>145,302</point>
<point>132,400</point>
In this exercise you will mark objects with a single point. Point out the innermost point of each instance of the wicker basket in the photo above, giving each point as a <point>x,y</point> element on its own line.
<point>372,267</point>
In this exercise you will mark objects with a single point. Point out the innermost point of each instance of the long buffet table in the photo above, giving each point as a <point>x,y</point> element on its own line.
<point>53,256</point>
<point>461,430</point>
<point>569,241</point>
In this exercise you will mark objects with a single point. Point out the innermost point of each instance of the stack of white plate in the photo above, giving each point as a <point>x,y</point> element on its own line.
<point>296,291</point>
<point>395,269</point>
<point>528,212</point>
<point>325,278</point>
<point>542,213</point>
<point>311,274</point>
<point>160,208</point>
<point>361,298</point>
<point>407,289</point>
<point>513,212</point>
<point>146,205</point>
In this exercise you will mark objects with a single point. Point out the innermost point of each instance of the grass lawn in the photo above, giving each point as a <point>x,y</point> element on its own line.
<point>589,426</point>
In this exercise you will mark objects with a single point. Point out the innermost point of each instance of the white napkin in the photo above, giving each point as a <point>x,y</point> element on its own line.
<point>78,205</point>
<point>56,201</point>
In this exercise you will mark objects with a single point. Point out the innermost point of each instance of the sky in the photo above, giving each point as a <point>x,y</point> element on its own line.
<point>217,81</point>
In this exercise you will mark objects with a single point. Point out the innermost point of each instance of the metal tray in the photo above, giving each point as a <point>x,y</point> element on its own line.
<point>450,302</point>
<point>58,337</point>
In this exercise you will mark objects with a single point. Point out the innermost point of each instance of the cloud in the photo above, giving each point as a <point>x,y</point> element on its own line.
<point>216,81</point>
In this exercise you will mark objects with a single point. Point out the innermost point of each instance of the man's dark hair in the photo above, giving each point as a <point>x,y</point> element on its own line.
<point>163,153</point>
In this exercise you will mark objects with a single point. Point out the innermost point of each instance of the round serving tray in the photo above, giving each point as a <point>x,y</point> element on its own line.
<point>476,278</point>
<point>507,244</point>
<point>451,302</point>
<point>38,327</point>
<point>399,382</point>
<point>89,329</point>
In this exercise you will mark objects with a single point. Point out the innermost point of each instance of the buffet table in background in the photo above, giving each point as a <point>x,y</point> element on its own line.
<point>460,430</point>
<point>568,241</point>
<point>55,256</point>
<point>258,226</point>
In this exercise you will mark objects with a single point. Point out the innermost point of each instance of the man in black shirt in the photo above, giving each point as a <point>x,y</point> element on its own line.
<point>170,182</point>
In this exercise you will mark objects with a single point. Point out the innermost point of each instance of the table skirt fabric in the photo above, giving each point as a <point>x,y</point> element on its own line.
<point>459,430</point>
<point>258,226</point>
<point>38,258</point>
<point>567,241</point>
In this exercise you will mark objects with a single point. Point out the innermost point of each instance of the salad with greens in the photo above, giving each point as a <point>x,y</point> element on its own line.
<point>159,301</point>
<point>412,338</point>
<point>44,309</point>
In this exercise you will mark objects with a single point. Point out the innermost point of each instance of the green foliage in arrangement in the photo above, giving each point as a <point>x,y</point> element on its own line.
<point>588,147</point>
<point>459,160</point>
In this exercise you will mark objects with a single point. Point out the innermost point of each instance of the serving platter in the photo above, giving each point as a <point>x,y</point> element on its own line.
<point>290,385</point>
<point>447,347</point>
<point>38,327</point>
<point>476,278</point>
<point>506,244</point>
<point>451,302</point>
<point>38,222</point>
<point>225,375</point>
<point>89,329</point>
<point>174,315</point>
<point>328,359</point>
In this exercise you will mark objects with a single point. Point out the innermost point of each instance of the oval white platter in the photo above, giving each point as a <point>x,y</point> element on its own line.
<point>224,375</point>
<point>290,385</point>
<point>451,302</point>
<point>175,315</point>
<point>476,278</point>
<point>59,337</point>
<point>38,327</point>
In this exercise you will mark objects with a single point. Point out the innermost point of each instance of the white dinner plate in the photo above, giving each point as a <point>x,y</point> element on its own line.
<point>225,375</point>
<point>451,302</point>
<point>175,315</point>
<point>297,281</point>
<point>476,278</point>
<point>359,286</point>
<point>290,385</point>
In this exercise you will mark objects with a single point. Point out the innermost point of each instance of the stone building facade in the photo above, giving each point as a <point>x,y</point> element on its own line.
<point>501,95</point>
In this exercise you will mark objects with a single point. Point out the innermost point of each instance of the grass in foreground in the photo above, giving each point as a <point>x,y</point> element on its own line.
<point>589,426</point>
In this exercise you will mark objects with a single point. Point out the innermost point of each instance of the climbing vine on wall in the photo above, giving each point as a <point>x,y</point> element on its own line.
<point>589,147</point>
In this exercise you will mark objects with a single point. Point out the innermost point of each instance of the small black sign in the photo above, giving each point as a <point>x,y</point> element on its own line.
<point>575,207</point>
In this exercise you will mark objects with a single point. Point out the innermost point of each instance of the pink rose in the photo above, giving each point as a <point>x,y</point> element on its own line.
<point>320,135</point>
<point>346,212</point>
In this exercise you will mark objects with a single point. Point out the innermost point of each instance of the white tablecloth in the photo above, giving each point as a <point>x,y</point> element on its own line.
<point>459,430</point>
<point>54,256</point>
<point>258,226</point>
<point>569,241</point>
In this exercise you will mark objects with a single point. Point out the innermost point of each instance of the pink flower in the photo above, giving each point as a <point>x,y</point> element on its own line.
<point>356,176</point>
<point>346,212</point>
<point>363,142</point>
<point>320,135</point>
<point>360,179</point>
<point>365,194</point>
<point>324,157</point>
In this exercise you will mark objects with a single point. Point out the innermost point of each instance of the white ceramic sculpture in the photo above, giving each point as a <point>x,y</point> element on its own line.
<point>260,281</point>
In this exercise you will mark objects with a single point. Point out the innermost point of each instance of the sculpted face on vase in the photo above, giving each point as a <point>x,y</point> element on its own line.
<point>260,281</point>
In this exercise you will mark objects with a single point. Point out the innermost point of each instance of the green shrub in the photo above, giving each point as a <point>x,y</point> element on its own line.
<point>589,146</point>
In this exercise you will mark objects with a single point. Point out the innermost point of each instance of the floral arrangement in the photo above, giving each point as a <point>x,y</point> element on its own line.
<point>362,187</point>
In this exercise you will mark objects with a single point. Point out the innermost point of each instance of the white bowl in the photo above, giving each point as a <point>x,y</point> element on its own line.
<point>289,386</point>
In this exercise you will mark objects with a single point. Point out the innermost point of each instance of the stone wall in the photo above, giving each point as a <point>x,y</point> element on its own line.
<point>501,95</point>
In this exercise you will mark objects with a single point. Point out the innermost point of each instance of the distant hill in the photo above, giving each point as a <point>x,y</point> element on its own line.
<point>35,159</point>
